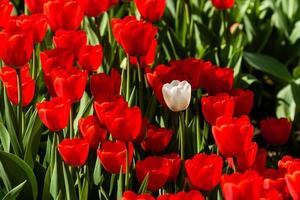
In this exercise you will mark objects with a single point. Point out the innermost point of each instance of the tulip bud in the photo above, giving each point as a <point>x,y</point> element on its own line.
<point>177,95</point>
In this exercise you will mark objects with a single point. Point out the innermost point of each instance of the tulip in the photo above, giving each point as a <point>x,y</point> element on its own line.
<point>177,95</point>
<point>8,76</point>
<point>158,169</point>
<point>92,131</point>
<point>74,151</point>
<point>243,101</point>
<point>204,171</point>
<point>113,155</point>
<point>157,139</point>
<point>146,60</point>
<point>123,123</point>
<point>175,163</point>
<point>104,87</point>
<point>286,161</point>
<point>63,14</point>
<point>72,41</point>
<point>217,106</point>
<point>90,57</point>
<point>48,113</point>
<point>133,35</point>
<point>191,195</point>
<point>16,49</point>
<point>223,4</point>
<point>151,10</point>
<point>274,180</point>
<point>246,160</point>
<point>247,186</point>
<point>69,84</point>
<point>272,194</point>
<point>292,179</point>
<point>233,135</point>
<point>35,6</point>
<point>276,131</point>
<point>6,8</point>
<point>94,8</point>
<point>129,195</point>
<point>260,161</point>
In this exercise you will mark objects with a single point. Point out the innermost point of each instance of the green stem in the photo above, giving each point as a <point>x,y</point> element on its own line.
<point>182,134</point>
<point>71,125</point>
<point>78,182</point>
<point>128,79</point>
<point>127,168</point>
<point>141,89</point>
<point>20,106</point>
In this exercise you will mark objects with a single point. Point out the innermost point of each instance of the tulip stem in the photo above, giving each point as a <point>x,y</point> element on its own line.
<point>182,134</point>
<point>128,79</point>
<point>127,168</point>
<point>78,181</point>
<point>20,106</point>
<point>71,124</point>
<point>140,77</point>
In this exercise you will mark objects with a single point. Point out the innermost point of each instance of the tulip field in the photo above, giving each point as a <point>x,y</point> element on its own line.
<point>150,99</point>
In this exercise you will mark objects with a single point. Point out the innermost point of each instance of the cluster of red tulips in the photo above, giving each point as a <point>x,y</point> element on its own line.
<point>121,127</point>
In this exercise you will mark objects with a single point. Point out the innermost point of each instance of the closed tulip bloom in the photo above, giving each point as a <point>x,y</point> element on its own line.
<point>191,195</point>
<point>69,84</point>
<point>72,41</point>
<point>104,87</point>
<point>272,194</point>
<point>135,36</point>
<point>90,57</point>
<point>148,59</point>
<point>157,139</point>
<point>6,8</point>
<point>74,151</point>
<point>276,131</point>
<point>16,49</point>
<point>243,101</point>
<point>233,135</point>
<point>113,155</point>
<point>260,162</point>
<point>8,76</point>
<point>48,113</point>
<point>175,162</point>
<point>123,123</point>
<point>292,179</point>
<point>94,8</point>
<point>63,14</point>
<point>177,95</point>
<point>158,169</point>
<point>151,10</point>
<point>204,171</point>
<point>129,195</point>
<point>35,6</point>
<point>214,107</point>
<point>92,131</point>
<point>246,186</point>
<point>246,160</point>
<point>286,161</point>
<point>223,4</point>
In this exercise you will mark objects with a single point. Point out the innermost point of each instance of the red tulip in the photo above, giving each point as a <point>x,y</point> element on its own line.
<point>158,169</point>
<point>48,113</point>
<point>223,4</point>
<point>70,40</point>
<point>8,76</point>
<point>217,106</point>
<point>91,131</point>
<point>217,80</point>
<point>69,84</point>
<point>74,151</point>
<point>5,10</point>
<point>260,162</point>
<point>151,10</point>
<point>104,87</point>
<point>123,123</point>
<point>94,8</point>
<point>272,194</point>
<point>129,195</point>
<point>243,101</point>
<point>175,162</point>
<point>191,195</point>
<point>276,131</point>
<point>35,6</point>
<point>286,161</point>
<point>292,179</point>
<point>233,135</point>
<point>133,35</point>
<point>204,171</point>
<point>90,57</point>
<point>113,155</point>
<point>16,49</point>
<point>157,139</point>
<point>246,160</point>
<point>63,14</point>
<point>246,186</point>
<point>148,59</point>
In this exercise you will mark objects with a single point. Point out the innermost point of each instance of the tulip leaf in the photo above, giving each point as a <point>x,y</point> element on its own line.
<point>268,65</point>
<point>144,185</point>
<point>120,185</point>
<point>14,193</point>
<point>4,137</point>
<point>17,170</point>
<point>69,184</point>
<point>85,189</point>
<point>286,105</point>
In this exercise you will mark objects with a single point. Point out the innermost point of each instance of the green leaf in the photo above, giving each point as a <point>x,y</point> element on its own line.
<point>268,65</point>
<point>14,193</point>
<point>18,171</point>
<point>295,35</point>
<point>69,184</point>
<point>120,185</point>
<point>4,137</point>
<point>144,185</point>
<point>286,105</point>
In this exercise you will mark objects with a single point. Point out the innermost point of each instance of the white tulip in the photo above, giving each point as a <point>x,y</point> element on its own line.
<point>177,95</point>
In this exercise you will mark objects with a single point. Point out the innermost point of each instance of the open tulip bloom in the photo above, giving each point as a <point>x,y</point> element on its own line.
<point>149,99</point>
